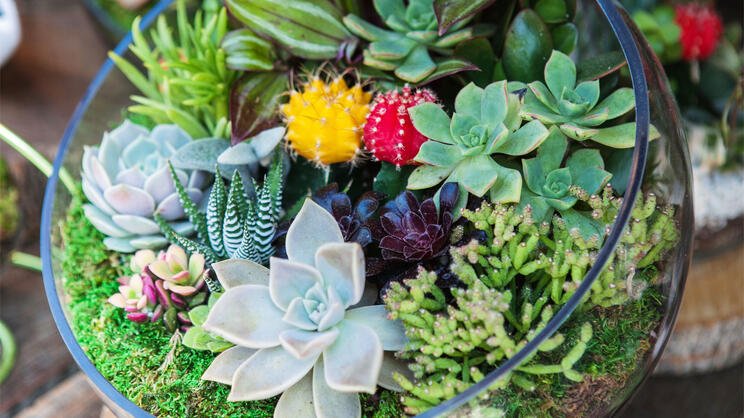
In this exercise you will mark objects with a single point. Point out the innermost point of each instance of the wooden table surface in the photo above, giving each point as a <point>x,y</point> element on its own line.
<point>60,52</point>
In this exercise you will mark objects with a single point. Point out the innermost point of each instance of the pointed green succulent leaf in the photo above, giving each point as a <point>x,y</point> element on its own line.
<point>450,13</point>
<point>379,64</point>
<point>368,31</point>
<point>563,203</point>
<point>579,133</point>
<point>477,174</point>
<point>544,95</point>
<point>533,109</point>
<point>508,185</point>
<point>526,139</point>
<point>560,73</point>
<point>552,150</point>
<point>497,136</point>
<point>195,216</point>
<point>494,104</point>
<point>417,66</point>
<point>620,136</point>
<point>422,37</point>
<point>447,67</point>
<point>426,176</point>
<point>571,104</point>
<point>534,175</point>
<point>391,50</point>
<point>469,101</point>
<point>589,91</point>
<point>432,122</point>
<point>620,102</point>
<point>438,154</point>
<point>595,118</point>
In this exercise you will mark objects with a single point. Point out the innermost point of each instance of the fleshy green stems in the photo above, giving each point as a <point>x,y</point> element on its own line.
<point>35,157</point>
<point>7,351</point>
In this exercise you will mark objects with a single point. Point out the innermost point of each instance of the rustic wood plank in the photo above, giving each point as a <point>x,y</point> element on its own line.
<point>71,398</point>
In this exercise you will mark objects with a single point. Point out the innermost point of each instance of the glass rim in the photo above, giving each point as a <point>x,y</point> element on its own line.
<point>640,155</point>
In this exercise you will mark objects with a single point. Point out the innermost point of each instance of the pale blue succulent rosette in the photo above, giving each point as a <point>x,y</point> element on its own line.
<point>304,327</point>
<point>127,181</point>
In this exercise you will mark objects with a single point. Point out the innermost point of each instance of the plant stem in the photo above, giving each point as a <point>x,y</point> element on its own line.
<point>35,157</point>
<point>7,359</point>
<point>25,260</point>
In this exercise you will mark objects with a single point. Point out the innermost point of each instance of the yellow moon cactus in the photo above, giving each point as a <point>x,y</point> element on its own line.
<point>325,121</point>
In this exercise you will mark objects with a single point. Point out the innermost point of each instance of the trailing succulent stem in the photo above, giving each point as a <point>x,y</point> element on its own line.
<point>235,226</point>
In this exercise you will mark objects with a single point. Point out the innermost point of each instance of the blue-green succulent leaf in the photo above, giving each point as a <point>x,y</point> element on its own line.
<point>526,139</point>
<point>583,222</point>
<point>432,122</point>
<point>589,91</point>
<point>427,176</point>
<point>560,73</point>
<point>557,183</point>
<point>477,174</point>
<point>494,104</point>
<point>469,101</point>
<point>461,126</point>
<point>417,66</point>
<point>541,92</point>
<point>508,185</point>
<point>438,154</point>
<point>620,102</point>
<point>551,152</point>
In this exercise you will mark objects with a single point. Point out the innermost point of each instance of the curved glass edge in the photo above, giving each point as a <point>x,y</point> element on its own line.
<point>627,41</point>
<point>640,155</point>
<point>50,287</point>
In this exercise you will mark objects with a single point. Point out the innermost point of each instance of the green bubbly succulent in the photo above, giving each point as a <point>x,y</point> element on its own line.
<point>453,346</point>
<point>407,48</point>
<point>235,226</point>
<point>549,183</point>
<point>461,149</point>
<point>576,109</point>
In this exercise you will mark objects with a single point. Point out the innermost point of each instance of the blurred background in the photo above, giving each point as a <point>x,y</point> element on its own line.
<point>64,43</point>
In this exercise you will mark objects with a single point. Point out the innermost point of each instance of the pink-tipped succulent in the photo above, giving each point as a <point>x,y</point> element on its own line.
<point>138,296</point>
<point>181,275</point>
<point>389,134</point>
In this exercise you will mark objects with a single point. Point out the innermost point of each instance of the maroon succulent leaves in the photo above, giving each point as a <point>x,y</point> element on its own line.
<point>353,220</point>
<point>410,231</point>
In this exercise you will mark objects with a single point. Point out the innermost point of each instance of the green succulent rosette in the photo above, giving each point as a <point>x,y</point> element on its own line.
<point>486,124</point>
<point>576,109</point>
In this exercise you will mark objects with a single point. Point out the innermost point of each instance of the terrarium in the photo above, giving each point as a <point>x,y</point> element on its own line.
<point>386,208</point>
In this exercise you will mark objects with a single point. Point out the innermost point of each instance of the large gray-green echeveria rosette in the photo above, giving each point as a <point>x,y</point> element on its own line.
<point>293,329</point>
<point>127,181</point>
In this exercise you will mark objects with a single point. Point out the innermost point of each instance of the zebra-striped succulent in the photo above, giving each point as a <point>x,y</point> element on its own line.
<point>235,226</point>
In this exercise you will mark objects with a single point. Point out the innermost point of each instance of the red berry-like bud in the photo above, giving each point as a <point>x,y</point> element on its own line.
<point>389,134</point>
<point>701,30</point>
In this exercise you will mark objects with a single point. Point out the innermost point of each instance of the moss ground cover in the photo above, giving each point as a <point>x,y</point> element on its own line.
<point>144,361</point>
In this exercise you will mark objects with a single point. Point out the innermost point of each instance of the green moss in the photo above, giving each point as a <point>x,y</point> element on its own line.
<point>619,343</point>
<point>142,360</point>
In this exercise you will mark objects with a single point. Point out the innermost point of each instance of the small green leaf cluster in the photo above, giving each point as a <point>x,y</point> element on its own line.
<point>407,48</point>
<point>199,339</point>
<point>661,31</point>
<point>187,81</point>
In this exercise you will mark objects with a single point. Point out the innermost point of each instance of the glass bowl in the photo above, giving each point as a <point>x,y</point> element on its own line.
<point>661,166</point>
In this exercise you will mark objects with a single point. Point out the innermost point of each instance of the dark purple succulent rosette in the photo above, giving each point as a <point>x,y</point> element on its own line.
<point>353,220</point>
<point>410,231</point>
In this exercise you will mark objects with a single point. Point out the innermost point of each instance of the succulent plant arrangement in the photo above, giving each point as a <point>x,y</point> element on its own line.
<point>343,241</point>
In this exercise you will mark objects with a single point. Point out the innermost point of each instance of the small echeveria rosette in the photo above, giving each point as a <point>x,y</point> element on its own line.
<point>127,180</point>
<point>164,287</point>
<point>293,329</point>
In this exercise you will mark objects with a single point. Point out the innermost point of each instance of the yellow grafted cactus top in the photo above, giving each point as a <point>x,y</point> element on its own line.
<point>325,121</point>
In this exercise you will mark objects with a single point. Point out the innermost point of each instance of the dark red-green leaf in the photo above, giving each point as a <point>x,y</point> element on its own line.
<point>253,103</point>
<point>600,66</point>
<point>450,12</point>
<point>527,47</point>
